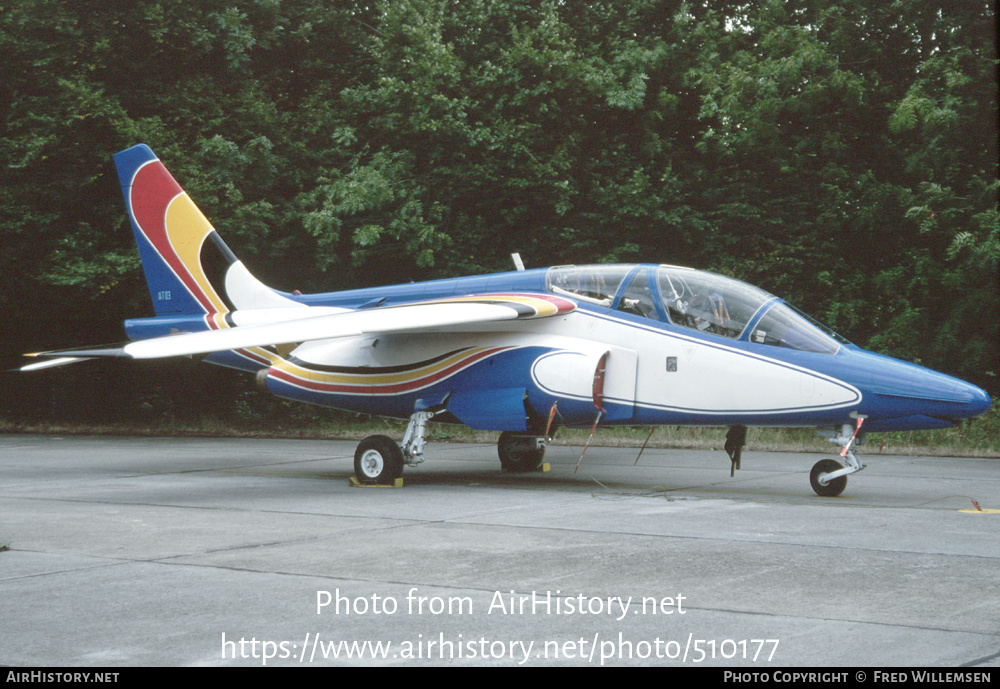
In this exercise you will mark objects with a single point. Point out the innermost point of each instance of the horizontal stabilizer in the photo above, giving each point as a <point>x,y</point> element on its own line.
<point>52,363</point>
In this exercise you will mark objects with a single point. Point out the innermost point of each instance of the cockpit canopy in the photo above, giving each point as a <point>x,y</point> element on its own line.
<point>697,300</point>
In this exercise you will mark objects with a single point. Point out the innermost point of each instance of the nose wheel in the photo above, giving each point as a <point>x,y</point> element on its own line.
<point>820,481</point>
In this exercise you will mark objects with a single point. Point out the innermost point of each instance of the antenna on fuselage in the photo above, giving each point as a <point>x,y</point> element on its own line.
<point>518,263</point>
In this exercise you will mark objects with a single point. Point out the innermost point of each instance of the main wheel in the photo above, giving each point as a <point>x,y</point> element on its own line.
<point>378,460</point>
<point>829,489</point>
<point>519,452</point>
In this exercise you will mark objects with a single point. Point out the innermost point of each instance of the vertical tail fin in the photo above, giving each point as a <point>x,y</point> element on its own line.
<point>189,269</point>
<point>170,232</point>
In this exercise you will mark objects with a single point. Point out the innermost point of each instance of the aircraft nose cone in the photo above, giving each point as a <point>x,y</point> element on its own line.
<point>979,404</point>
<point>967,401</point>
<point>903,389</point>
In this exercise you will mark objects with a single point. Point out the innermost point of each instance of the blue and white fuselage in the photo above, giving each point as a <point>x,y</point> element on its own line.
<point>522,352</point>
<point>658,372</point>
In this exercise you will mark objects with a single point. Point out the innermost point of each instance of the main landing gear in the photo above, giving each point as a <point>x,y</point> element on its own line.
<point>828,476</point>
<point>379,460</point>
<point>520,452</point>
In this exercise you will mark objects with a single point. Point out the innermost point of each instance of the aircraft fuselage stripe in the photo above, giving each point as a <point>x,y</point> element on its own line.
<point>379,383</point>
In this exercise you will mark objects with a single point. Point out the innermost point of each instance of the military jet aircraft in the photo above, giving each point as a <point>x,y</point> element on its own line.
<point>522,352</point>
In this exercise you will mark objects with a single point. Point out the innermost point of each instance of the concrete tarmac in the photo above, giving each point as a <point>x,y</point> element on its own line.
<point>221,552</point>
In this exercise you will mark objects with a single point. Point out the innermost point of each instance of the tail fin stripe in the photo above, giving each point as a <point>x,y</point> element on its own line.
<point>187,230</point>
<point>165,216</point>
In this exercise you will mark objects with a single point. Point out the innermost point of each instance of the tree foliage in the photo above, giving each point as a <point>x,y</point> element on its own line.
<point>843,155</point>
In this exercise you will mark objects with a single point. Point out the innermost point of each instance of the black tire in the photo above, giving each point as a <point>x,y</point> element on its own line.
<point>378,460</point>
<point>518,452</point>
<point>834,487</point>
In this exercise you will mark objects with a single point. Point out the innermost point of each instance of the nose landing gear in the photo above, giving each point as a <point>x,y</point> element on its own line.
<point>828,476</point>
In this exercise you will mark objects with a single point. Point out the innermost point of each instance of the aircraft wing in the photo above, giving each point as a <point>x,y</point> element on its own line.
<point>415,317</point>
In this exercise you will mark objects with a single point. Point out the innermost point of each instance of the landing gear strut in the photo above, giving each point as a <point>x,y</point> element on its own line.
<point>379,460</point>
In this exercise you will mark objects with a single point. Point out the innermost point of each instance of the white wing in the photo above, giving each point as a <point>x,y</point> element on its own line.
<point>418,317</point>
